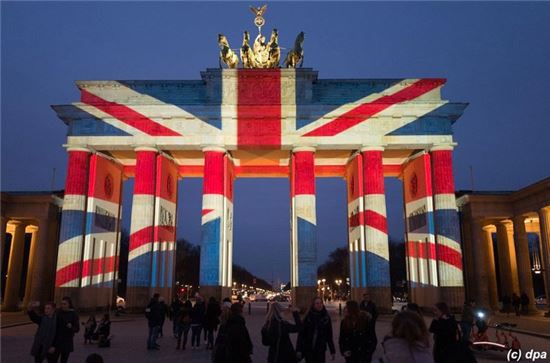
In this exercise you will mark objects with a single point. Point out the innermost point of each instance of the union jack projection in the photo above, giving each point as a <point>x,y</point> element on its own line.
<point>263,123</point>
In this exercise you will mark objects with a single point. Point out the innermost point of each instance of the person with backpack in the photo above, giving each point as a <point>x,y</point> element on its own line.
<point>275,334</point>
<point>356,340</point>
<point>316,334</point>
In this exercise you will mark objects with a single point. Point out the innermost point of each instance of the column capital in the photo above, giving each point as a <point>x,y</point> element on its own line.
<point>443,147</point>
<point>219,149</point>
<point>31,228</point>
<point>146,148</point>
<point>298,149</point>
<point>17,223</point>
<point>544,211</point>
<point>78,148</point>
<point>372,148</point>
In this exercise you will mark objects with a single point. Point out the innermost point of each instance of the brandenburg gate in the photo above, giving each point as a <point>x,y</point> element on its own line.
<point>257,120</point>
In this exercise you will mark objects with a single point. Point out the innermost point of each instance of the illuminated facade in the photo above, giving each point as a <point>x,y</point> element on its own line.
<point>272,123</point>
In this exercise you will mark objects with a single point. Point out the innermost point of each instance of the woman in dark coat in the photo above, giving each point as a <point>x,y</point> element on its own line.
<point>184,324</point>
<point>316,334</point>
<point>42,346</point>
<point>212,320</point>
<point>67,326</point>
<point>445,333</point>
<point>238,343</point>
<point>356,340</point>
<point>275,334</point>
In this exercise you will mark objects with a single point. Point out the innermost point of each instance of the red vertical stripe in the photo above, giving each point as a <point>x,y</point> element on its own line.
<point>304,173</point>
<point>442,161</point>
<point>213,172</point>
<point>373,172</point>
<point>77,172</point>
<point>145,172</point>
<point>259,108</point>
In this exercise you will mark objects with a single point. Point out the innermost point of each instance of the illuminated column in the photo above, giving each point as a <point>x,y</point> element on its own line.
<point>164,246</point>
<point>71,236</point>
<point>487,257</point>
<point>508,275</point>
<point>217,224</point>
<point>15,267</point>
<point>3,225</point>
<point>356,226</point>
<point>102,232</point>
<point>544,223</point>
<point>376,229</point>
<point>523,261</point>
<point>304,227</point>
<point>32,261</point>
<point>419,228</point>
<point>38,290</point>
<point>141,229</point>
<point>447,228</point>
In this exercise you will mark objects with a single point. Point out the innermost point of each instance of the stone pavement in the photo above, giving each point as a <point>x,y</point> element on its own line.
<point>130,333</point>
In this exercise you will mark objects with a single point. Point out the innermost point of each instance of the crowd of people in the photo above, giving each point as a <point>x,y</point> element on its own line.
<point>223,329</point>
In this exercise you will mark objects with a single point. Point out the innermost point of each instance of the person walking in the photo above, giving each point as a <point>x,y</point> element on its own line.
<point>153,313</point>
<point>445,333</point>
<point>197,321</point>
<point>409,340</point>
<point>238,344</point>
<point>66,327</point>
<point>369,306</point>
<point>184,324</point>
<point>356,340</point>
<point>212,320</point>
<point>275,334</point>
<point>467,321</point>
<point>175,311</point>
<point>43,343</point>
<point>316,334</point>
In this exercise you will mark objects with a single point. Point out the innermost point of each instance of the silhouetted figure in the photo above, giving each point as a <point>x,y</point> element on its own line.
<point>212,320</point>
<point>316,334</point>
<point>67,326</point>
<point>184,324</point>
<point>516,301</point>
<point>356,340</point>
<point>220,345</point>
<point>467,320</point>
<point>175,310</point>
<point>524,299</point>
<point>275,334</point>
<point>197,321</point>
<point>43,343</point>
<point>370,307</point>
<point>238,343</point>
<point>89,328</point>
<point>153,313</point>
<point>445,333</point>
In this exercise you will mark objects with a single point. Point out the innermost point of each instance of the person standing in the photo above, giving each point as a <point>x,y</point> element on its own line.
<point>163,314</point>
<point>369,306</point>
<point>197,321</point>
<point>516,301</point>
<point>445,333</point>
<point>356,340</point>
<point>219,354</point>
<point>184,324</point>
<point>89,329</point>
<point>524,300</point>
<point>212,320</point>
<point>238,343</point>
<point>275,334</point>
<point>43,343</point>
<point>409,340</point>
<point>467,320</point>
<point>153,314</point>
<point>175,311</point>
<point>316,334</point>
<point>67,326</point>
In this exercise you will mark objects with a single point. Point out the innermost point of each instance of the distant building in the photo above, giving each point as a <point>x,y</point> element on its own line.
<point>506,243</point>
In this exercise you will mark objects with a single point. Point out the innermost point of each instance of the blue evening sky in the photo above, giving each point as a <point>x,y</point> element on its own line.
<point>496,56</point>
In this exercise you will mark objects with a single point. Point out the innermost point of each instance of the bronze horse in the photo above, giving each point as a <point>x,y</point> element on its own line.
<point>227,55</point>
<point>296,55</point>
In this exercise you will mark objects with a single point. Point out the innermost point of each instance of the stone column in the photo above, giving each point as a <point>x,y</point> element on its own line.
<point>141,230</point>
<point>217,219</point>
<point>544,223</point>
<point>304,227</point>
<point>488,253</point>
<point>523,261</point>
<point>447,228</point>
<point>33,257</point>
<point>38,290</point>
<point>508,276</point>
<point>3,225</point>
<point>376,229</point>
<point>15,267</point>
<point>486,287</point>
<point>71,236</point>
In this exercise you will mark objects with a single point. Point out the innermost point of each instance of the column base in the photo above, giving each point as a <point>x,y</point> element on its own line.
<point>381,296</point>
<point>453,296</point>
<point>218,292</point>
<point>426,297</point>
<point>94,298</point>
<point>137,298</point>
<point>302,296</point>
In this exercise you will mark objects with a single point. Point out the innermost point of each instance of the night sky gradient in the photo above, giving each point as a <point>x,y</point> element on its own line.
<point>496,56</point>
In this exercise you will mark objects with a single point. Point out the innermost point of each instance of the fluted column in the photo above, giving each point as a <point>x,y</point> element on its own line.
<point>38,290</point>
<point>141,229</point>
<point>544,223</point>
<point>508,276</point>
<point>447,228</point>
<point>486,284</point>
<point>376,229</point>
<point>33,257</point>
<point>71,236</point>
<point>217,219</point>
<point>15,267</point>
<point>523,261</point>
<point>304,226</point>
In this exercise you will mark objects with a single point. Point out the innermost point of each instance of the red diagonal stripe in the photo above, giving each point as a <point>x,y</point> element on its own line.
<point>362,112</point>
<point>206,211</point>
<point>67,273</point>
<point>449,255</point>
<point>421,250</point>
<point>127,115</point>
<point>141,237</point>
<point>376,220</point>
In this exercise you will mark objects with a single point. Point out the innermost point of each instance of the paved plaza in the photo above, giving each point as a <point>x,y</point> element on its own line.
<point>130,334</point>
